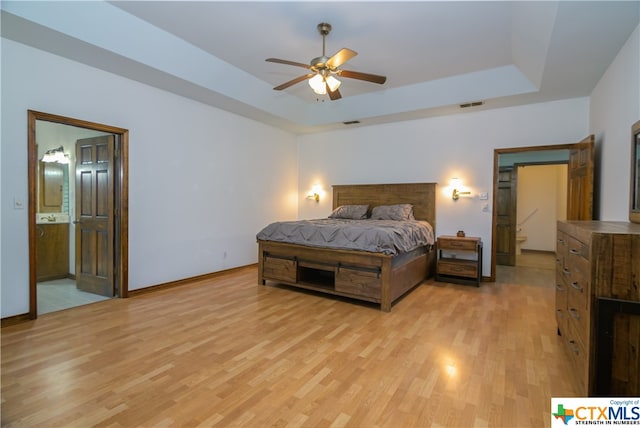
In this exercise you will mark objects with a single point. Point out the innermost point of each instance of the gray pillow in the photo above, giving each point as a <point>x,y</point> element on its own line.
<point>351,212</point>
<point>392,212</point>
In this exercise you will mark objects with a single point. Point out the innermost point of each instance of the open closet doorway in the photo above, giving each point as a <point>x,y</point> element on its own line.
<point>78,212</point>
<point>578,157</point>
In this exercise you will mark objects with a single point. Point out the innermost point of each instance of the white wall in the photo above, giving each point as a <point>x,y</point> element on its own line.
<point>542,201</point>
<point>615,106</point>
<point>202,181</point>
<point>437,149</point>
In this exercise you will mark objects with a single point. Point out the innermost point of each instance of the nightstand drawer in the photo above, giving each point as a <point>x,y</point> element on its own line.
<point>458,244</point>
<point>458,267</point>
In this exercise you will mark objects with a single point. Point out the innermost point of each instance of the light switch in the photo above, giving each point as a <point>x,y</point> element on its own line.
<point>18,204</point>
<point>483,196</point>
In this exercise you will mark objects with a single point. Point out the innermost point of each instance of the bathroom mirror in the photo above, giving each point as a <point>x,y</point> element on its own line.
<point>53,179</point>
<point>634,197</point>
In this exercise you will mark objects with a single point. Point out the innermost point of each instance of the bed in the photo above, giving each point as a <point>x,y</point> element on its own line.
<point>376,277</point>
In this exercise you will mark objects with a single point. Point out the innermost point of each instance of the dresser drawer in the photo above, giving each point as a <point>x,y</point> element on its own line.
<point>579,320</point>
<point>562,248</point>
<point>561,304</point>
<point>579,359</point>
<point>578,281</point>
<point>577,248</point>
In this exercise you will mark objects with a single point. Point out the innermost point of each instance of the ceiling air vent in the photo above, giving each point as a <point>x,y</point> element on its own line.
<point>473,104</point>
<point>351,122</point>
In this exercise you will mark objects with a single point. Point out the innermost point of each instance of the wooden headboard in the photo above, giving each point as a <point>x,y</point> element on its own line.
<point>421,195</point>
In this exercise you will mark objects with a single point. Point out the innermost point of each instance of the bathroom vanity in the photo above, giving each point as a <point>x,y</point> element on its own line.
<point>52,247</point>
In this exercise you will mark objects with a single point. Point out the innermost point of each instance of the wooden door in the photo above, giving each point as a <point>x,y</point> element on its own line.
<point>580,180</point>
<point>506,195</point>
<point>95,215</point>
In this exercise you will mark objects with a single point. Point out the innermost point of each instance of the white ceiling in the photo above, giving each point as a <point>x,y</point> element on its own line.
<point>436,55</point>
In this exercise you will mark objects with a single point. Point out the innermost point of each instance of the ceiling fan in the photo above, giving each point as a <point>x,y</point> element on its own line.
<point>324,69</point>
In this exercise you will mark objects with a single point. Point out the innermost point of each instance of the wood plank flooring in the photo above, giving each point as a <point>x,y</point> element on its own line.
<point>227,352</point>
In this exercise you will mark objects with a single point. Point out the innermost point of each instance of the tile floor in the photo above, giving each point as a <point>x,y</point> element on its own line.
<point>62,294</point>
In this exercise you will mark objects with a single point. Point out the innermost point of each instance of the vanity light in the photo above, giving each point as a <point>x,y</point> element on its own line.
<point>56,155</point>
<point>456,183</point>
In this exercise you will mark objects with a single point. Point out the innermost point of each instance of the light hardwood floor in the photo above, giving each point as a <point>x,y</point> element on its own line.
<point>227,352</point>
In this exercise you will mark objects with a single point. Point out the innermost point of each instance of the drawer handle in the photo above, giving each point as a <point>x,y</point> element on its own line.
<point>574,313</point>
<point>574,251</point>
<point>575,286</point>
<point>559,287</point>
<point>566,271</point>
<point>560,313</point>
<point>574,348</point>
<point>561,241</point>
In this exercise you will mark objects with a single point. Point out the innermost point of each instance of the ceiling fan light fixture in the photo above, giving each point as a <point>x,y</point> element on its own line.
<point>318,85</point>
<point>333,83</point>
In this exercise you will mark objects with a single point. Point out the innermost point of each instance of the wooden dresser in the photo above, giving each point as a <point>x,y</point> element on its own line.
<point>598,263</point>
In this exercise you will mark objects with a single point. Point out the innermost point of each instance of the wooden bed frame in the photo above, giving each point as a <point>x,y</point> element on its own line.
<point>373,277</point>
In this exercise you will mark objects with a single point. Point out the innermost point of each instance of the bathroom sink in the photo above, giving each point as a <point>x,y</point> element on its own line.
<point>52,218</point>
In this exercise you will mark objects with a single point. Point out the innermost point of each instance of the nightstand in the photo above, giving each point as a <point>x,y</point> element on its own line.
<point>459,260</point>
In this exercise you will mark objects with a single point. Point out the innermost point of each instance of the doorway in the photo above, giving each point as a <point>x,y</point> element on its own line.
<point>579,158</point>
<point>541,203</point>
<point>61,212</point>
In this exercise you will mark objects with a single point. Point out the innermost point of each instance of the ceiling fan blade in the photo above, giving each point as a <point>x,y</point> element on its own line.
<point>373,78</point>
<point>342,56</point>
<point>284,61</point>
<point>294,81</point>
<point>335,95</point>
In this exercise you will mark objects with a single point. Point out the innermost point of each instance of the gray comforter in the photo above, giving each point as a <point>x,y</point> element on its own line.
<point>379,236</point>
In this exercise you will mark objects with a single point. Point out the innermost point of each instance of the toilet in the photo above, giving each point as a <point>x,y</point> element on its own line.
<point>519,240</point>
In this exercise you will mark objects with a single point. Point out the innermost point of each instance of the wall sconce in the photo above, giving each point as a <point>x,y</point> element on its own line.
<point>56,155</point>
<point>315,192</point>
<point>456,183</point>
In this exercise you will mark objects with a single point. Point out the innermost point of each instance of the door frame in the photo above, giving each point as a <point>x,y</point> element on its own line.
<point>496,158</point>
<point>121,188</point>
